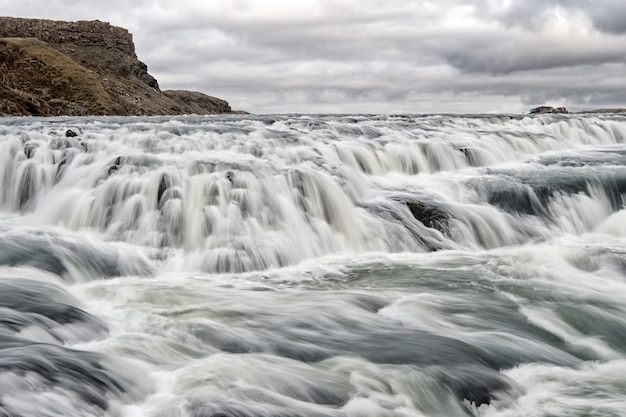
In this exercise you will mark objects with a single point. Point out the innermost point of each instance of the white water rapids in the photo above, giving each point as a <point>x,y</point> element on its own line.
<point>319,266</point>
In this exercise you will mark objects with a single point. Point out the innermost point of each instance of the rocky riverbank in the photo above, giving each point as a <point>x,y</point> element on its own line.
<point>50,68</point>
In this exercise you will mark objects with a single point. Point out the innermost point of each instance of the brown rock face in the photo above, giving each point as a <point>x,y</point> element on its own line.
<point>83,68</point>
<point>198,102</point>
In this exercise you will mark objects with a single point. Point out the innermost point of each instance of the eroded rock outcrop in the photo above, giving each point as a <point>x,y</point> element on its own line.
<point>563,110</point>
<point>83,68</point>
<point>549,110</point>
<point>198,102</point>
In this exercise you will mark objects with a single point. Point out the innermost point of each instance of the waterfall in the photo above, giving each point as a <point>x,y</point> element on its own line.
<point>324,265</point>
<point>241,195</point>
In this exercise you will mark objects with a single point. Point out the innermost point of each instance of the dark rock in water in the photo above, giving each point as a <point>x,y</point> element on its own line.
<point>164,184</point>
<point>116,164</point>
<point>67,158</point>
<point>69,133</point>
<point>28,187</point>
<point>29,149</point>
<point>396,212</point>
<point>429,215</point>
<point>478,385</point>
<point>548,110</point>
<point>470,156</point>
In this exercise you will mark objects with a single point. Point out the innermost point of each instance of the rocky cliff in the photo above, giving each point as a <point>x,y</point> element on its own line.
<point>83,68</point>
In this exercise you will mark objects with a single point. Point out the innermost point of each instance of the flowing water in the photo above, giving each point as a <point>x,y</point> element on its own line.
<point>322,266</point>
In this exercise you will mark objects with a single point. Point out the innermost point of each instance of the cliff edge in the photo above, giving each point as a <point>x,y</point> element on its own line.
<point>50,68</point>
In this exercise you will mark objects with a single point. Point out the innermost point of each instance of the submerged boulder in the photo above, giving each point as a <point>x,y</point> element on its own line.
<point>430,215</point>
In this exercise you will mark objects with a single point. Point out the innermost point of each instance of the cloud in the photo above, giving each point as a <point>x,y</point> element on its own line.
<point>605,15</point>
<point>521,51</point>
<point>611,19</point>
<point>374,55</point>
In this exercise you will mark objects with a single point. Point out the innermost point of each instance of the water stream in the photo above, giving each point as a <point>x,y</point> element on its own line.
<point>322,266</point>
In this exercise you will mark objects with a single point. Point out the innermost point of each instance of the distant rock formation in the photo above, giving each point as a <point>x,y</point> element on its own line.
<point>50,68</point>
<point>615,110</point>
<point>563,110</point>
<point>548,110</point>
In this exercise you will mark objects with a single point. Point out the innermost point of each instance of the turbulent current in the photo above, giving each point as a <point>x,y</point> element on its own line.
<point>313,266</point>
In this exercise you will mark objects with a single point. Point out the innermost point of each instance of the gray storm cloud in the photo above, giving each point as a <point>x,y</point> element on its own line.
<point>606,15</point>
<point>374,56</point>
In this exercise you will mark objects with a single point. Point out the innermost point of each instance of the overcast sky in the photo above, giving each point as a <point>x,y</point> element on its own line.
<point>373,56</point>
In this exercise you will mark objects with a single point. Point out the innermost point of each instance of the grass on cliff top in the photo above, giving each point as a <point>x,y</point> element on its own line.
<point>34,68</point>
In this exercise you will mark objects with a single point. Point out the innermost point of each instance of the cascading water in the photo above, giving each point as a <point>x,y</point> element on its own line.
<point>313,266</point>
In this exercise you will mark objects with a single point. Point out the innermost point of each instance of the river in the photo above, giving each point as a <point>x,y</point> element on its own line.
<point>319,266</point>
